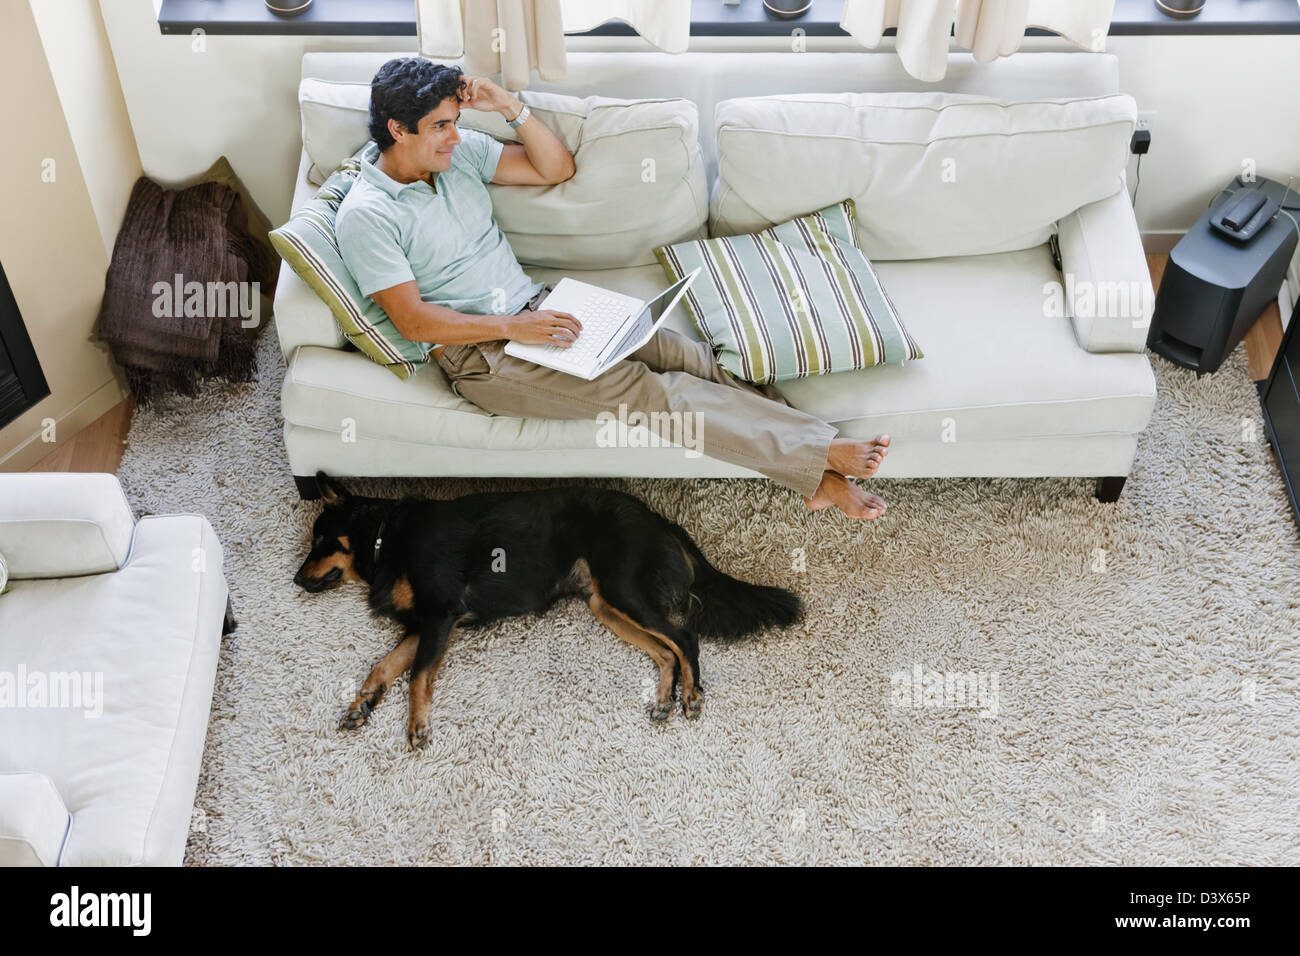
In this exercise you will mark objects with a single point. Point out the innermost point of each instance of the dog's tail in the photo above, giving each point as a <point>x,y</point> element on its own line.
<point>726,607</point>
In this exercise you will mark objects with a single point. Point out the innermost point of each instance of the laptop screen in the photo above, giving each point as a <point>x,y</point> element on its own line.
<point>659,303</point>
<point>656,307</point>
<point>640,326</point>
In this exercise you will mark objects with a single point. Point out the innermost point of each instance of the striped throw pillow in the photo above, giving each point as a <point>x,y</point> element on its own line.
<point>794,300</point>
<point>307,242</point>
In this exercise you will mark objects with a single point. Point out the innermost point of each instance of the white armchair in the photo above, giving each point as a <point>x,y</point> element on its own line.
<point>109,639</point>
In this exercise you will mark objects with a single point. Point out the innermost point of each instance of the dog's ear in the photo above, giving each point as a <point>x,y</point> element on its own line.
<point>331,492</point>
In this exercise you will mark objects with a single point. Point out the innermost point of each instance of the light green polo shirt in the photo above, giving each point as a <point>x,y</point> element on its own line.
<point>444,238</point>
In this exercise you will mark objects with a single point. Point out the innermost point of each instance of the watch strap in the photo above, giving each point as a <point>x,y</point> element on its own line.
<point>519,120</point>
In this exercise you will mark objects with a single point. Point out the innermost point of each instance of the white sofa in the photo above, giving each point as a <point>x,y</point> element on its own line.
<point>1003,390</point>
<point>109,638</point>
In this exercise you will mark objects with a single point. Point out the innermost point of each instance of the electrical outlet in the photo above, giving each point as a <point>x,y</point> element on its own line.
<point>1146,121</point>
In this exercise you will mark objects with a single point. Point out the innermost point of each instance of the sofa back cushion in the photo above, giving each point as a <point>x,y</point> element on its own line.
<point>63,524</point>
<point>335,120</point>
<point>706,77</point>
<point>640,179</point>
<point>931,174</point>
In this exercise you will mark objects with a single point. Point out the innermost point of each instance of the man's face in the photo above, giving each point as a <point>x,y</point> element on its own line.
<point>430,146</point>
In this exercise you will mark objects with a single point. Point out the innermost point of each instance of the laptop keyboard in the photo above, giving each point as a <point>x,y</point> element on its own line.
<point>600,315</point>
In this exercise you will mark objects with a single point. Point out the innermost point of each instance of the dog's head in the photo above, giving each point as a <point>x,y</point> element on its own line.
<point>330,562</point>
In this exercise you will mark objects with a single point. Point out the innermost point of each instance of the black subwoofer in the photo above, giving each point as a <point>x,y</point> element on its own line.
<point>1214,288</point>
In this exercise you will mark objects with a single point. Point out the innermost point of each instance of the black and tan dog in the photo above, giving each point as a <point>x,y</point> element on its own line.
<point>437,565</point>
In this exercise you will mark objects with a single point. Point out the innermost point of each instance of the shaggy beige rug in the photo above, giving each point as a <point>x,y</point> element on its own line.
<point>998,671</point>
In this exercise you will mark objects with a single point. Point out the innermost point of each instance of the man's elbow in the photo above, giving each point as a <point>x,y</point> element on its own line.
<point>405,328</point>
<point>406,324</point>
<point>566,172</point>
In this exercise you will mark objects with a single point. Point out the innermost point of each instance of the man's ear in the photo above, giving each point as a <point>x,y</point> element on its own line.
<point>332,493</point>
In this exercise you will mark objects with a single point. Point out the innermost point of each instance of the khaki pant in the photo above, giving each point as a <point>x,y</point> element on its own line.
<point>738,422</point>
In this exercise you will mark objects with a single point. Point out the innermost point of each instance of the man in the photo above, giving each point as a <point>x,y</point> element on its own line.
<point>417,233</point>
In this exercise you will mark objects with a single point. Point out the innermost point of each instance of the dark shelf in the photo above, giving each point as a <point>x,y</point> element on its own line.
<point>708,18</point>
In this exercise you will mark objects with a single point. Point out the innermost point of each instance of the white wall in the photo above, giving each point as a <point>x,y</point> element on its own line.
<point>53,242</point>
<point>1219,99</point>
<point>193,99</point>
<point>85,75</point>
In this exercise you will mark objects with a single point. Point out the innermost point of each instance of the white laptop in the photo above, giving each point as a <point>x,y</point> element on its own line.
<point>614,325</point>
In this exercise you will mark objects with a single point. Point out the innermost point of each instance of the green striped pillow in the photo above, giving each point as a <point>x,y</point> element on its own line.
<point>793,300</point>
<point>307,242</point>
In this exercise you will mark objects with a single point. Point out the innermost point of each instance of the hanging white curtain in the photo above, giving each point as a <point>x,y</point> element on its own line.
<point>515,37</point>
<point>510,37</point>
<point>994,28</point>
<point>439,31</point>
<point>665,24</point>
<point>923,28</point>
<point>988,28</point>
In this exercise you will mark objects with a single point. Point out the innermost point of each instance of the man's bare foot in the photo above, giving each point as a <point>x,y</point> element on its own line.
<point>836,490</point>
<point>856,457</point>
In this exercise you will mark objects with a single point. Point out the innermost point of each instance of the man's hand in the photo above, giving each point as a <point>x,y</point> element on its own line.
<point>543,327</point>
<point>540,159</point>
<point>480,93</point>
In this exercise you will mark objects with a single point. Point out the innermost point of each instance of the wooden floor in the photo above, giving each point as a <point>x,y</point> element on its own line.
<point>99,446</point>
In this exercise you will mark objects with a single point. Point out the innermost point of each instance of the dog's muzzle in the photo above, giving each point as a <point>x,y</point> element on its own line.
<point>317,584</point>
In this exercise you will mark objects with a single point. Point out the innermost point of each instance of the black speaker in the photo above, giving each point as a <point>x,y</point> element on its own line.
<point>1280,399</point>
<point>1215,287</point>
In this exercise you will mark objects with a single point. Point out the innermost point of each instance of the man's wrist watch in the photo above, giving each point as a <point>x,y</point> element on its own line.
<point>519,120</point>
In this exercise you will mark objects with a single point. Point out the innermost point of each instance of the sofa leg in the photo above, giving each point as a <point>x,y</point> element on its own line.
<point>308,488</point>
<point>1108,489</point>
<point>229,624</point>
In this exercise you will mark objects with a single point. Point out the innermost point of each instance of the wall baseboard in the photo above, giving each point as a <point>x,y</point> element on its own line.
<point>84,413</point>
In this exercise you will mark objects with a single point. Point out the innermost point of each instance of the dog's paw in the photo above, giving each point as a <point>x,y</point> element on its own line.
<point>417,736</point>
<point>356,715</point>
<point>661,709</point>
<point>359,710</point>
<point>692,704</point>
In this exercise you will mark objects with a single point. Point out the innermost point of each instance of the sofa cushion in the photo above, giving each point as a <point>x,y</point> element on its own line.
<point>791,301</point>
<point>325,386</point>
<point>63,524</point>
<point>640,178</point>
<point>997,365</point>
<point>931,174</point>
<point>308,243</point>
<point>33,820</point>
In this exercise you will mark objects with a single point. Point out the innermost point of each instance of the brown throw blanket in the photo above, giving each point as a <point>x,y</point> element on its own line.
<point>167,333</point>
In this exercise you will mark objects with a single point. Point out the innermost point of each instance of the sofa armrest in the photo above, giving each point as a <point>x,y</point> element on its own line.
<point>1108,293</point>
<point>301,316</point>
<point>60,525</point>
<point>181,554</point>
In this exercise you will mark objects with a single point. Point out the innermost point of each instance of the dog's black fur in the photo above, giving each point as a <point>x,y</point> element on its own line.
<point>475,559</point>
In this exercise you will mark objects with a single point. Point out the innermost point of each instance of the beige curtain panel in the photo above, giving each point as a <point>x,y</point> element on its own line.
<point>988,28</point>
<point>515,37</point>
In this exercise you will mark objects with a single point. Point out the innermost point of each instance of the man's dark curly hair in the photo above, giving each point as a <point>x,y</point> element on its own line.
<point>408,89</point>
